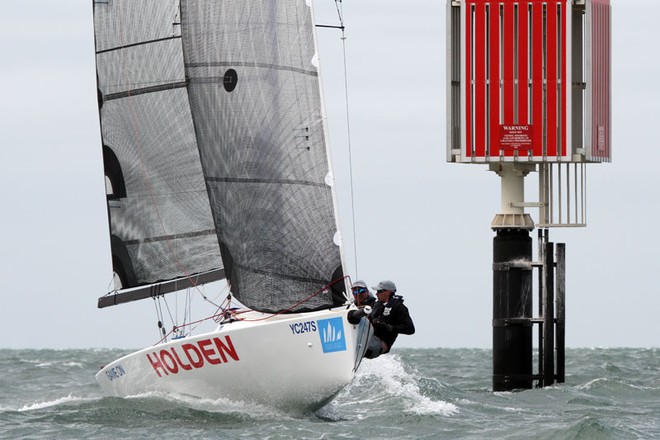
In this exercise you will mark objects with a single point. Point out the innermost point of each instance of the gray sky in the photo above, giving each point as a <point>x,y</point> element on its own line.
<point>420,221</point>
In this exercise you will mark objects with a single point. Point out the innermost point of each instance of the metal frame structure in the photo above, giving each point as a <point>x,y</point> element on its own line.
<point>528,90</point>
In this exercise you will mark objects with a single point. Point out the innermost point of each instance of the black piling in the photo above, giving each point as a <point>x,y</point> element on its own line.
<point>512,310</point>
<point>561,312</point>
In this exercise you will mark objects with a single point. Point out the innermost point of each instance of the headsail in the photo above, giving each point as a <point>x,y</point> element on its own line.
<point>160,221</point>
<point>254,93</point>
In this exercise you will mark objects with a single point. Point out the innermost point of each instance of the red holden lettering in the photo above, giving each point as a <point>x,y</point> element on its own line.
<point>157,364</point>
<point>199,363</point>
<point>208,352</point>
<point>214,351</point>
<point>222,349</point>
<point>178,361</point>
<point>172,366</point>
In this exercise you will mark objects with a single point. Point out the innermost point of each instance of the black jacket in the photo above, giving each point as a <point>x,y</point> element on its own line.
<point>370,301</point>
<point>391,319</point>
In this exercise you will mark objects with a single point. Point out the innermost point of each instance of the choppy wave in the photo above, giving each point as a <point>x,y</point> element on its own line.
<point>51,403</point>
<point>409,394</point>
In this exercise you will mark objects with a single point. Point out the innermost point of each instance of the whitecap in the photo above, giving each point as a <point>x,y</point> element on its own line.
<point>73,364</point>
<point>591,383</point>
<point>48,404</point>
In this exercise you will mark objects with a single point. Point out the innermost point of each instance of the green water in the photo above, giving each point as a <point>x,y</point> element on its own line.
<point>410,394</point>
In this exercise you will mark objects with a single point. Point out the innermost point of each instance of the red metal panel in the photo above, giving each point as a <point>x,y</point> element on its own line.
<point>608,80</point>
<point>537,76</point>
<point>480,79</point>
<point>508,57</point>
<point>600,123</point>
<point>468,81</point>
<point>551,79</point>
<point>493,109</point>
<point>516,75</point>
<point>509,62</point>
<point>523,62</point>
<point>565,82</point>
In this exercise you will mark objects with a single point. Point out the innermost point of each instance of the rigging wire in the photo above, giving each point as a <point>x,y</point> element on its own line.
<point>159,315</point>
<point>340,12</point>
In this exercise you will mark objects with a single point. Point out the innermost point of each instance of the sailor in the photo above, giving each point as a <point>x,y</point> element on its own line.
<point>362,295</point>
<point>388,318</point>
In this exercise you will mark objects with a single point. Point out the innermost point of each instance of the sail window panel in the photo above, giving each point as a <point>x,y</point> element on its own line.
<point>109,190</point>
<point>115,185</point>
<point>262,147</point>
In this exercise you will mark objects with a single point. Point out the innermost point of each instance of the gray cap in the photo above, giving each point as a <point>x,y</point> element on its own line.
<point>385,285</point>
<point>360,283</point>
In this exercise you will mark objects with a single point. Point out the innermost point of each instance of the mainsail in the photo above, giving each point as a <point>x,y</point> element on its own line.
<point>254,93</point>
<point>214,144</point>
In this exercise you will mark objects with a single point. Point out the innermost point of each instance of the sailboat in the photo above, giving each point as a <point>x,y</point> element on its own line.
<point>217,168</point>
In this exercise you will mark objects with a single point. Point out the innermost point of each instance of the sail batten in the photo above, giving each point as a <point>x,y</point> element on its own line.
<point>251,64</point>
<point>265,181</point>
<point>171,237</point>
<point>141,43</point>
<point>143,90</point>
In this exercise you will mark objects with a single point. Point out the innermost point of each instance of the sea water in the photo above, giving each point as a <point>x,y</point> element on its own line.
<point>408,394</point>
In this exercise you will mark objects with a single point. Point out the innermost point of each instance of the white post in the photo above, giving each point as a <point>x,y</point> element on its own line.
<point>513,189</point>
<point>512,210</point>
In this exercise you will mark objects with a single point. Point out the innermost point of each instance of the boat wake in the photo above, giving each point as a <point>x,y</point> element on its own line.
<point>383,383</point>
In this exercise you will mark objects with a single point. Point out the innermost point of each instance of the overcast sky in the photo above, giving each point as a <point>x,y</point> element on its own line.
<point>420,221</point>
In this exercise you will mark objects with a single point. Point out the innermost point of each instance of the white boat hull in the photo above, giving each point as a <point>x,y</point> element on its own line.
<point>296,361</point>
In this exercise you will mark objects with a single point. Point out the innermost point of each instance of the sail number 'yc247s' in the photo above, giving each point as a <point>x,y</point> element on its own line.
<point>193,355</point>
<point>303,327</point>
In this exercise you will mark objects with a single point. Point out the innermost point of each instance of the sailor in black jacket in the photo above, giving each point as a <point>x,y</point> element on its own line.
<point>388,318</point>
<point>362,295</point>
